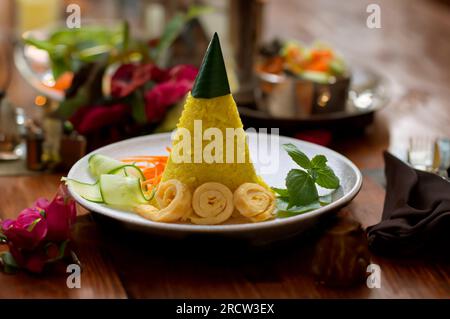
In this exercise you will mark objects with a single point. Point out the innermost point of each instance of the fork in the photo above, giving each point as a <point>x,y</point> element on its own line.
<point>423,154</point>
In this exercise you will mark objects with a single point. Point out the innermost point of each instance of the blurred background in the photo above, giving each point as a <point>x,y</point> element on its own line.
<point>341,74</point>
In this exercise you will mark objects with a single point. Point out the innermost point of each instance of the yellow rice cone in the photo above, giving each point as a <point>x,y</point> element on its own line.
<point>221,113</point>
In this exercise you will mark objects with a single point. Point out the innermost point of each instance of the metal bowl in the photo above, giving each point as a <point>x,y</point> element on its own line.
<point>290,96</point>
<point>291,103</point>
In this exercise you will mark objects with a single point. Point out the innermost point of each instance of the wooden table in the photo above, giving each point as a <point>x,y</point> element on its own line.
<point>411,49</point>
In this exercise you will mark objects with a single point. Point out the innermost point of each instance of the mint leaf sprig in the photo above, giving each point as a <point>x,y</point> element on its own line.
<point>301,193</point>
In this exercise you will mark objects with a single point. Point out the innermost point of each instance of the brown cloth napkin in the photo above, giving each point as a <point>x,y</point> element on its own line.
<point>416,214</point>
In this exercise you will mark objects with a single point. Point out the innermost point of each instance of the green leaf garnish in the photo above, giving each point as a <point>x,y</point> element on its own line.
<point>326,178</point>
<point>283,206</point>
<point>298,156</point>
<point>301,188</point>
<point>285,211</point>
<point>301,195</point>
<point>281,191</point>
<point>319,161</point>
<point>212,79</point>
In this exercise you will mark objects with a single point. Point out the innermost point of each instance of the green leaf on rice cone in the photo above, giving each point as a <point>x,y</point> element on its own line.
<point>212,80</point>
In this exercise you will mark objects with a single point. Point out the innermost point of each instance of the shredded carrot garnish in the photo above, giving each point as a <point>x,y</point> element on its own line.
<point>144,158</point>
<point>151,166</point>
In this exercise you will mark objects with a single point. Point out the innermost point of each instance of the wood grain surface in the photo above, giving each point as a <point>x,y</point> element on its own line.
<point>411,51</point>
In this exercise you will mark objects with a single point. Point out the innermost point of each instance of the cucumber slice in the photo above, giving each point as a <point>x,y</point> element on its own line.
<point>101,164</point>
<point>128,170</point>
<point>90,192</point>
<point>118,183</point>
<point>122,191</point>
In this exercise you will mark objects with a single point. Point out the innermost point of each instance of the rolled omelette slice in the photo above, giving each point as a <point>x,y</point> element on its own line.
<point>211,102</point>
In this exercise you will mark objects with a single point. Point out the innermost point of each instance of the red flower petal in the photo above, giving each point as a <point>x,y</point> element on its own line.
<point>162,96</point>
<point>183,72</point>
<point>41,203</point>
<point>128,77</point>
<point>27,231</point>
<point>60,216</point>
<point>93,118</point>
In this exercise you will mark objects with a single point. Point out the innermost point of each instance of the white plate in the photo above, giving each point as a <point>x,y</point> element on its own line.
<point>349,175</point>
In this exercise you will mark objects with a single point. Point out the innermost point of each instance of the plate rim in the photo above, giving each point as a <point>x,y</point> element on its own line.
<point>227,228</point>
